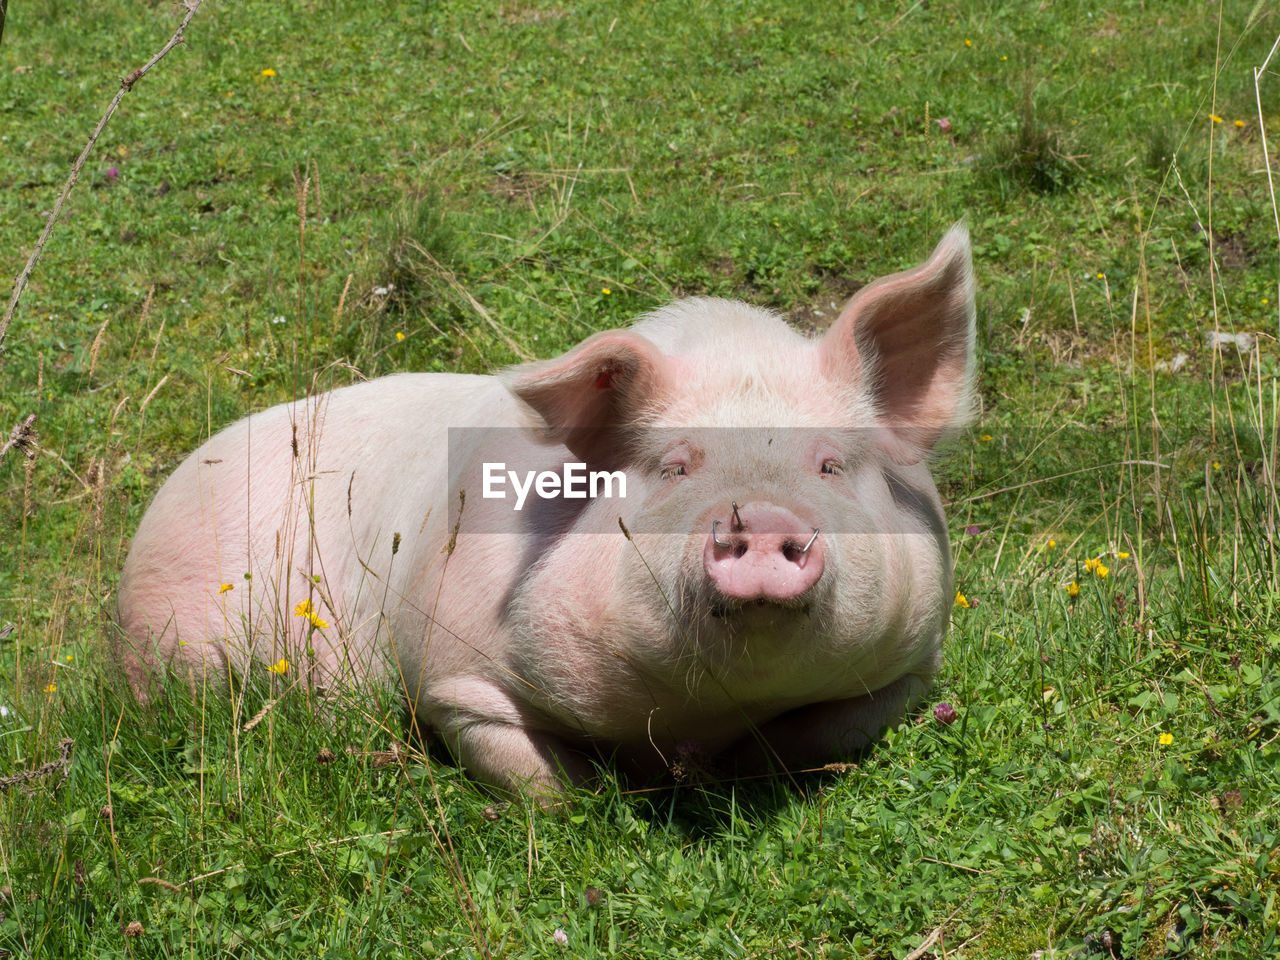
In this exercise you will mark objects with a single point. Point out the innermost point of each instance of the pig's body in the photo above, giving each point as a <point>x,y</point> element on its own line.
<point>786,579</point>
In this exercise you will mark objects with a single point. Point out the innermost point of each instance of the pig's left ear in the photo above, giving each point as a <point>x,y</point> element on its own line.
<point>910,337</point>
<point>589,396</point>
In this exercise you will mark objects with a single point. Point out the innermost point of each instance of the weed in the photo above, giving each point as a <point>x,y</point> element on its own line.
<point>1038,156</point>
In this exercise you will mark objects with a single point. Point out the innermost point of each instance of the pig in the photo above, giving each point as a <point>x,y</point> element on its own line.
<point>773,588</point>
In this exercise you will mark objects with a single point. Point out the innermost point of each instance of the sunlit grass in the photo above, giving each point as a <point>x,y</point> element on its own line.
<point>306,193</point>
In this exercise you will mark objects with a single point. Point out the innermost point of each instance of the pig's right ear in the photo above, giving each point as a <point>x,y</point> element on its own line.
<point>909,338</point>
<point>593,392</point>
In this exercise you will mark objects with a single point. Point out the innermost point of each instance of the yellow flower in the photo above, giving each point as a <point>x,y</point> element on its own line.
<point>968,42</point>
<point>399,335</point>
<point>1073,589</point>
<point>281,666</point>
<point>961,599</point>
<point>1217,465</point>
<point>1094,565</point>
<point>1239,123</point>
<point>1053,544</point>
<point>225,587</point>
<point>606,291</point>
<point>306,611</point>
<point>986,438</point>
<point>1166,739</point>
<point>182,643</point>
<point>268,72</point>
<point>1215,118</point>
<point>70,658</point>
<point>1122,555</point>
<point>1101,276</point>
<point>51,688</point>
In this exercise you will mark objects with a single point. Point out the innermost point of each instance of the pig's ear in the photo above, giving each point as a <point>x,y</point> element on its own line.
<point>909,336</point>
<point>589,396</point>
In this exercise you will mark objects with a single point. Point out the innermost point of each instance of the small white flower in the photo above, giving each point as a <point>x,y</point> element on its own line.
<point>560,937</point>
<point>4,711</point>
<point>279,319</point>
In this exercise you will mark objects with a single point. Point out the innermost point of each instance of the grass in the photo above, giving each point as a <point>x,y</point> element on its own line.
<point>475,177</point>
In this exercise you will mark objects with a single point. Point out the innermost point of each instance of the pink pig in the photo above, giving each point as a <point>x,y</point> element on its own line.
<point>774,586</point>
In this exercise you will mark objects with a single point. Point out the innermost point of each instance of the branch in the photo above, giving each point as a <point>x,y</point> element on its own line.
<point>125,86</point>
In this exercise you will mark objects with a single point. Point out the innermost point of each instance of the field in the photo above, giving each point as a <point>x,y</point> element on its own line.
<point>304,193</point>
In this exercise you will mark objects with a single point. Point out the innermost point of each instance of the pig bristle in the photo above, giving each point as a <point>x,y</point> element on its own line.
<point>702,325</point>
<point>745,357</point>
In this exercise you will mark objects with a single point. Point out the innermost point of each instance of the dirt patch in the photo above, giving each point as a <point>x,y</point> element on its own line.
<point>824,306</point>
<point>519,186</point>
<point>723,266</point>
<point>1235,251</point>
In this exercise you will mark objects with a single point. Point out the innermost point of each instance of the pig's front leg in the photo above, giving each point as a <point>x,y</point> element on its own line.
<point>524,761</point>
<point>503,751</point>
<point>822,733</point>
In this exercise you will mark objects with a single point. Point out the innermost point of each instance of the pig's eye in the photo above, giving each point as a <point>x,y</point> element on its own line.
<point>833,467</point>
<point>673,470</point>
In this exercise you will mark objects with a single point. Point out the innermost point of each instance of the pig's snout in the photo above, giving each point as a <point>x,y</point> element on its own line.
<point>762,552</point>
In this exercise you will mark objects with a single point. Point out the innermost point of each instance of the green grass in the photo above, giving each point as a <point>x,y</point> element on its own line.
<point>475,177</point>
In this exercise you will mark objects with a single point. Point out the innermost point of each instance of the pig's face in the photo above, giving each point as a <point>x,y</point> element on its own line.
<point>786,533</point>
<point>738,519</point>
<point>769,549</point>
